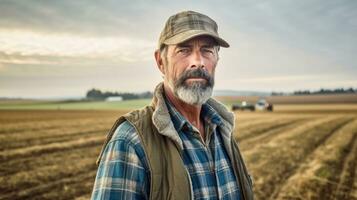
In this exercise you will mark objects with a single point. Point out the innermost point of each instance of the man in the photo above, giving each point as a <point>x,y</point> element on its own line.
<point>182,145</point>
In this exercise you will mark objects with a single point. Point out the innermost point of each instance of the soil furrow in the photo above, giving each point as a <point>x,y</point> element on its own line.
<point>255,122</point>
<point>26,127</point>
<point>41,149</point>
<point>51,138</point>
<point>263,129</point>
<point>286,159</point>
<point>293,169</point>
<point>27,163</point>
<point>253,152</point>
<point>345,185</point>
<point>61,186</point>
<point>269,135</point>
<point>69,165</point>
<point>318,170</point>
<point>38,116</point>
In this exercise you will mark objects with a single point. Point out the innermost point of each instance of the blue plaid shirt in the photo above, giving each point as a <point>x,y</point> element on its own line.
<point>124,174</point>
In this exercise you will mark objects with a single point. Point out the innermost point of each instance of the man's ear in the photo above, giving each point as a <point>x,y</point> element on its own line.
<point>159,61</point>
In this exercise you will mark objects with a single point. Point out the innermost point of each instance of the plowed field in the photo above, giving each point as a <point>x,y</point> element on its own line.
<point>291,154</point>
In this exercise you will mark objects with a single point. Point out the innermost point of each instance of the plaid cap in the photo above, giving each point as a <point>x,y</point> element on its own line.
<point>187,25</point>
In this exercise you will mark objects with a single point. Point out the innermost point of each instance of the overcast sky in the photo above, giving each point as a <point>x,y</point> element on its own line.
<point>64,48</point>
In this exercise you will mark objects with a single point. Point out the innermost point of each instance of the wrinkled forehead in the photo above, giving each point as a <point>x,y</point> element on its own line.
<point>199,40</point>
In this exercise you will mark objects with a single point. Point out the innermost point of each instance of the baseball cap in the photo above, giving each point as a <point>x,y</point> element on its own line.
<point>186,25</point>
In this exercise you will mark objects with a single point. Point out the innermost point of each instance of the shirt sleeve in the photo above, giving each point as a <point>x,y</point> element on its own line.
<point>123,171</point>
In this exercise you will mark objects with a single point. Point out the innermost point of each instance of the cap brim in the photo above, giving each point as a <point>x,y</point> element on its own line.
<point>187,35</point>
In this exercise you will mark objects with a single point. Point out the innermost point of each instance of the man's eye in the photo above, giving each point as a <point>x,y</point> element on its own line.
<point>183,50</point>
<point>208,50</point>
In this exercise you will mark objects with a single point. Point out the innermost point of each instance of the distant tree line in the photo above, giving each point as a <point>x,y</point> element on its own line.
<point>96,94</point>
<point>321,91</point>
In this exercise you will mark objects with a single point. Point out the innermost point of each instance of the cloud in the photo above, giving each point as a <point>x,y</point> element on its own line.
<point>22,46</point>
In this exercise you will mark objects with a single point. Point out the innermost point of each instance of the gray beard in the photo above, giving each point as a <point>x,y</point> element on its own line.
<point>193,94</point>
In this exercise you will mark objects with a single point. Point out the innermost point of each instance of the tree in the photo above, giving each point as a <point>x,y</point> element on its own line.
<point>95,94</point>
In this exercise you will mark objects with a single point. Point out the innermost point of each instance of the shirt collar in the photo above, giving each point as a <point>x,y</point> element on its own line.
<point>209,115</point>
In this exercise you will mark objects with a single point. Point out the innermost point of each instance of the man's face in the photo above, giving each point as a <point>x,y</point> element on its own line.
<point>189,69</point>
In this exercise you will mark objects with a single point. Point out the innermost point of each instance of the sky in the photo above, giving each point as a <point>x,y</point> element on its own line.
<point>64,48</point>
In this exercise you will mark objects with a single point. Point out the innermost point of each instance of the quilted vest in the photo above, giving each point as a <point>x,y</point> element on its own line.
<point>169,177</point>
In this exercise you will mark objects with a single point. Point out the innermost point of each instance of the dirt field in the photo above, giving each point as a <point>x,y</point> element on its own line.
<point>294,153</point>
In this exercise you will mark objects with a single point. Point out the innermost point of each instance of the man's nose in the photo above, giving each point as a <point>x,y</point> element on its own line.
<point>197,60</point>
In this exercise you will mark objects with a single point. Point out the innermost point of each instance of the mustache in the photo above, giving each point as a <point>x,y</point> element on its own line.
<point>195,73</point>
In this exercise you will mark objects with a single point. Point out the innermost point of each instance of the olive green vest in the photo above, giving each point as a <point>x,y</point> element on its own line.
<point>169,177</point>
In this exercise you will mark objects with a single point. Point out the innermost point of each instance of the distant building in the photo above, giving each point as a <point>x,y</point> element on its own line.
<point>114,98</point>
